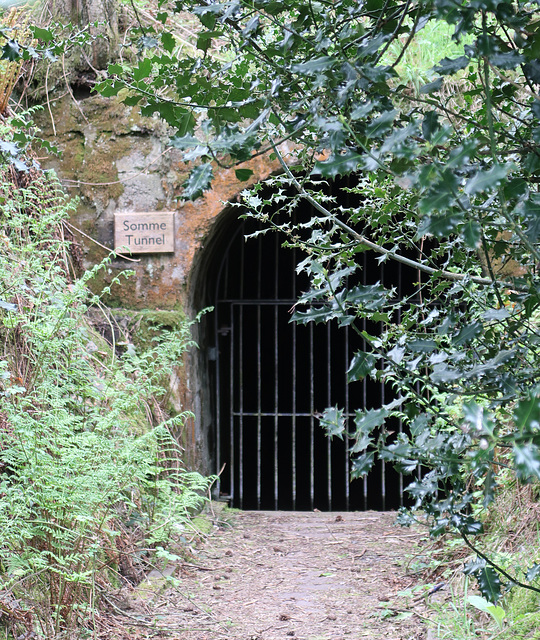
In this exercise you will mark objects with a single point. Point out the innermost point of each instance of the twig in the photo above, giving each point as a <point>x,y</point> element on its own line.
<point>497,567</point>
<point>48,101</point>
<point>68,87</point>
<point>120,255</point>
<point>448,275</point>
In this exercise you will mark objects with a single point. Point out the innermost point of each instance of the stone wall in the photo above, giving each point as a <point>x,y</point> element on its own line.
<point>114,160</point>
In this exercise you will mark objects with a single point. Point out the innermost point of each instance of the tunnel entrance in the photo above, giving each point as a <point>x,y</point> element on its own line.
<point>270,379</point>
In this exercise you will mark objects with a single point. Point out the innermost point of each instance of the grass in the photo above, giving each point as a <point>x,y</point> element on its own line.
<point>429,46</point>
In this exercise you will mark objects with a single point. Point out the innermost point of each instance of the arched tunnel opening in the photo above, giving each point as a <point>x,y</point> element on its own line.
<point>268,379</point>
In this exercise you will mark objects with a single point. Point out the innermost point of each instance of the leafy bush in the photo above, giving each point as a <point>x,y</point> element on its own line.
<point>87,459</point>
<point>448,185</point>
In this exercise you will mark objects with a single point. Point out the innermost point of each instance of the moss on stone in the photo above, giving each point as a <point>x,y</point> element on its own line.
<point>147,324</point>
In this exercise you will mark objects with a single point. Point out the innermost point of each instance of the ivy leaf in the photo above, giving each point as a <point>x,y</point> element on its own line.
<point>361,365</point>
<point>333,422</point>
<point>143,70</point>
<point>243,174</point>
<point>168,41</point>
<point>42,34</point>
<point>199,181</point>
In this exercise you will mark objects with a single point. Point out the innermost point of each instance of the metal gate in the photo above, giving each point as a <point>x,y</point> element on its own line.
<point>272,380</point>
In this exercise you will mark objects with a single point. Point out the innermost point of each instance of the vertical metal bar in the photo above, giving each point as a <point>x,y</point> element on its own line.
<point>347,412</point>
<point>241,372</point>
<point>311,421</point>
<point>293,419</point>
<point>364,381</point>
<point>232,455</point>
<point>276,374</point>
<point>328,403</point>
<point>240,377</point>
<point>217,400</point>
<point>259,379</point>
<point>383,464</point>
<point>259,408</point>
<point>293,426</point>
<point>400,426</point>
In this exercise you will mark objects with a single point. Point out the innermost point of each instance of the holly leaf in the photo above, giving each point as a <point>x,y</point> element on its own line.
<point>333,422</point>
<point>447,66</point>
<point>362,465</point>
<point>381,124</point>
<point>533,572</point>
<point>430,124</point>
<point>487,180</point>
<point>431,87</point>
<point>11,51</point>
<point>8,306</point>
<point>199,181</point>
<point>361,365</point>
<point>527,415</point>
<point>471,232</point>
<point>366,421</point>
<point>317,65</point>
<point>489,584</point>
<point>527,461</point>
<point>467,334</point>
<point>338,165</point>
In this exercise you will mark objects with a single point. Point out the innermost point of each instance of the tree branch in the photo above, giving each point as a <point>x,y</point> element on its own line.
<point>447,275</point>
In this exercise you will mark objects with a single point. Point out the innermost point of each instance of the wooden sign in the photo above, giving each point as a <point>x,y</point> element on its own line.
<point>149,232</point>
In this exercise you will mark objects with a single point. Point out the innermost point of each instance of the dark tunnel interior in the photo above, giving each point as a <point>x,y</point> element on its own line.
<point>271,379</point>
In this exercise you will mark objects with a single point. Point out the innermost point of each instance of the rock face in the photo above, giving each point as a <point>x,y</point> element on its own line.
<point>115,161</point>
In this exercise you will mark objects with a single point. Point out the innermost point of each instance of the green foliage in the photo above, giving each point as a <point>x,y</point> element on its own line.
<point>445,184</point>
<point>87,459</point>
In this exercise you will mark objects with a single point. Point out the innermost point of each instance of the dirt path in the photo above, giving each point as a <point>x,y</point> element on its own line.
<point>279,575</point>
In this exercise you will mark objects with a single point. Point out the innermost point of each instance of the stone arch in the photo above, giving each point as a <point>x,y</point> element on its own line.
<point>273,452</point>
